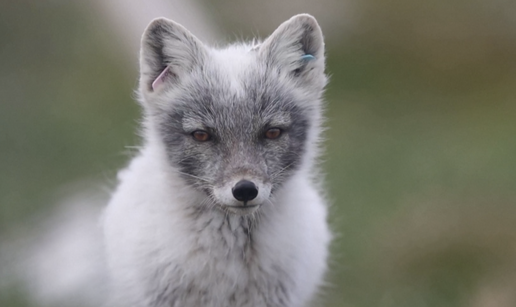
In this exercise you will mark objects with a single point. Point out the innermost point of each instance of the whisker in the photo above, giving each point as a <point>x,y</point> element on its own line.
<point>280,172</point>
<point>193,176</point>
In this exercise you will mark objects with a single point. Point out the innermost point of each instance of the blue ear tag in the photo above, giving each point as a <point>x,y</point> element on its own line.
<point>307,57</point>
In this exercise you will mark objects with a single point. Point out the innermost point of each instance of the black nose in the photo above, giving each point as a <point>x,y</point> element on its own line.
<point>245,190</point>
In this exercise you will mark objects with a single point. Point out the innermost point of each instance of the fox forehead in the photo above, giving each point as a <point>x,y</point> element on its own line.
<point>213,102</point>
<point>232,64</point>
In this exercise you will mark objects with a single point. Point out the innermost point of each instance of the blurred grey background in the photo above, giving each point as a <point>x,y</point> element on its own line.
<point>421,146</point>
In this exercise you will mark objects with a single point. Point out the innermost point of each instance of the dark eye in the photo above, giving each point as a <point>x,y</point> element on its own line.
<point>201,136</point>
<point>273,133</point>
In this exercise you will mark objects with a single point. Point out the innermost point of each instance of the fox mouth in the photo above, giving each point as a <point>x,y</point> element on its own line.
<point>240,210</point>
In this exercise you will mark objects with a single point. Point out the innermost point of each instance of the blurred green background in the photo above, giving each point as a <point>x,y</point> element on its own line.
<point>421,146</point>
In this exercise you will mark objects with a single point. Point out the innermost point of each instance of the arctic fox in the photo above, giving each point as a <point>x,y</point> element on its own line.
<point>222,207</point>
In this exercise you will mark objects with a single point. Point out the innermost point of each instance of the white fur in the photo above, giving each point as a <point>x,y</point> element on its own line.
<point>158,243</point>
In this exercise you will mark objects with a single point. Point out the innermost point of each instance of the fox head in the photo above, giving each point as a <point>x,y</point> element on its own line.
<point>236,123</point>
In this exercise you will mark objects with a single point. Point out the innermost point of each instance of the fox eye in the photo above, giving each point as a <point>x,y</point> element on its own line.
<point>273,133</point>
<point>201,135</point>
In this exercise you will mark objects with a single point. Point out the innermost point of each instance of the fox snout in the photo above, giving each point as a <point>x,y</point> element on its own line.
<point>243,194</point>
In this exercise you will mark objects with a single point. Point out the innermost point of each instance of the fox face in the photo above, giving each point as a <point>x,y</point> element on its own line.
<point>220,140</point>
<point>235,123</point>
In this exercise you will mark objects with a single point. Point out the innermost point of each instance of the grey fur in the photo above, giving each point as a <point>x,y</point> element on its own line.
<point>237,125</point>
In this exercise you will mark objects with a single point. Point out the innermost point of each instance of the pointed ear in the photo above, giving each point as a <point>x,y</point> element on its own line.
<point>168,52</point>
<point>297,49</point>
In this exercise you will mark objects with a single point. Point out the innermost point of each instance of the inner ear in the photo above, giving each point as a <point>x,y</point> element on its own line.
<point>308,40</point>
<point>162,78</point>
<point>304,62</point>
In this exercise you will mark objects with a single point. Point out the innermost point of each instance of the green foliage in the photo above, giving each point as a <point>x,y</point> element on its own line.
<point>67,109</point>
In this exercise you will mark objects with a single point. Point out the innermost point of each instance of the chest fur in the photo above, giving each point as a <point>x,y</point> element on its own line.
<point>224,266</point>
